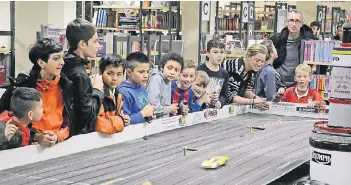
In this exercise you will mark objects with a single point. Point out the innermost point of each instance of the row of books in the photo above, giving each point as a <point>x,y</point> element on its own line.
<point>319,50</point>
<point>232,23</point>
<point>155,20</point>
<point>321,83</point>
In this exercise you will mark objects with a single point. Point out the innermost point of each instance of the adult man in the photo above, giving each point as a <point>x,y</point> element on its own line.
<point>288,45</point>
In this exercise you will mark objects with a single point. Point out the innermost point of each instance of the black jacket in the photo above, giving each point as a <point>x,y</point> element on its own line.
<point>29,79</point>
<point>87,101</point>
<point>280,40</point>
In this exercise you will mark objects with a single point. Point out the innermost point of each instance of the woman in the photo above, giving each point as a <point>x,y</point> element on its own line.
<point>56,122</point>
<point>242,75</point>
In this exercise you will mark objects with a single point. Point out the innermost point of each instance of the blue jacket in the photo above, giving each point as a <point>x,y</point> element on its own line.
<point>266,82</point>
<point>134,100</point>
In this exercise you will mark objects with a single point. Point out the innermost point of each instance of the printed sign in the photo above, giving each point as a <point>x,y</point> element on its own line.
<point>251,13</point>
<point>170,123</point>
<point>341,83</point>
<point>245,13</point>
<point>206,9</point>
<point>321,158</point>
<point>211,113</point>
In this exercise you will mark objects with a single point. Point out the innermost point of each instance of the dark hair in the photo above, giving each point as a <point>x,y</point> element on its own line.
<point>42,49</point>
<point>22,101</point>
<point>314,23</point>
<point>134,59</point>
<point>113,60</point>
<point>339,26</point>
<point>215,43</point>
<point>171,56</point>
<point>77,30</point>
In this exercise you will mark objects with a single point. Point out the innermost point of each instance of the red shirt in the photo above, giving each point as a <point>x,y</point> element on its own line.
<point>291,95</point>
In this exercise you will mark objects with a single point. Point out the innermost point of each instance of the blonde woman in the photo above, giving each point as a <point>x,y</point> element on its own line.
<point>242,73</point>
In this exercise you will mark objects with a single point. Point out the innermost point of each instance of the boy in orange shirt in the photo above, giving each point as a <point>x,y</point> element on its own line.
<point>301,93</point>
<point>111,119</point>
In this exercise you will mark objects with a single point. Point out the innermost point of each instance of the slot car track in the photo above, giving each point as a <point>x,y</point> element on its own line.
<point>257,157</point>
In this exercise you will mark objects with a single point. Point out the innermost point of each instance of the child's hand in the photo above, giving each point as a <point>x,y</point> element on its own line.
<point>174,108</point>
<point>47,138</point>
<point>96,81</point>
<point>319,105</point>
<point>214,98</point>
<point>148,111</point>
<point>184,108</point>
<point>204,99</point>
<point>10,130</point>
<point>281,90</point>
<point>126,119</point>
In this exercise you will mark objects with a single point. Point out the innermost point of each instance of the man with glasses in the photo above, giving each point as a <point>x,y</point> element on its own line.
<point>288,45</point>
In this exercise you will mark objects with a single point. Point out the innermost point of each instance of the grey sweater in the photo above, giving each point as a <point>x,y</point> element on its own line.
<point>292,60</point>
<point>159,93</point>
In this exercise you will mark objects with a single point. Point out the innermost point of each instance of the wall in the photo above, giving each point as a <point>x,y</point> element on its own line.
<point>28,21</point>
<point>5,22</point>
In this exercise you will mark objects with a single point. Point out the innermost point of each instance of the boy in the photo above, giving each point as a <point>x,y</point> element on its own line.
<point>301,93</point>
<point>218,85</point>
<point>111,119</point>
<point>83,41</point>
<point>267,80</point>
<point>315,28</point>
<point>181,91</point>
<point>200,99</point>
<point>159,84</point>
<point>26,106</point>
<point>55,88</point>
<point>135,101</point>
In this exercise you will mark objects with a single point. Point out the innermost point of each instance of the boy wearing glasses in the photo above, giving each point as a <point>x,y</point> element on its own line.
<point>288,45</point>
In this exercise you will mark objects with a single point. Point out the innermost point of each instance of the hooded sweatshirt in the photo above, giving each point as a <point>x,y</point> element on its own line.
<point>52,118</point>
<point>134,100</point>
<point>159,92</point>
<point>21,137</point>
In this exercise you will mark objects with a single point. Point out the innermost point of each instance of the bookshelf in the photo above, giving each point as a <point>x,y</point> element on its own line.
<point>228,19</point>
<point>147,17</point>
<point>318,53</point>
<point>7,55</point>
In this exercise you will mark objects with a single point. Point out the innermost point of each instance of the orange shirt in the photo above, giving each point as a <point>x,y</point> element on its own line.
<point>53,107</point>
<point>291,95</point>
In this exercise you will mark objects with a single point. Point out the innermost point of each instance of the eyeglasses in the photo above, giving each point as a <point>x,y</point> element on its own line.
<point>291,21</point>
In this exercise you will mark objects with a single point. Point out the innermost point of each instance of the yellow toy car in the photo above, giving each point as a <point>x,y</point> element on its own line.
<point>215,162</point>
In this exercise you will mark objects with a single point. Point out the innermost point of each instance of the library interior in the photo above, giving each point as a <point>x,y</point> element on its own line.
<point>219,92</point>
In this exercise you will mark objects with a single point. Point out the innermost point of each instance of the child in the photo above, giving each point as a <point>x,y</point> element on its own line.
<point>111,119</point>
<point>200,99</point>
<point>83,41</point>
<point>218,85</point>
<point>135,101</point>
<point>267,79</point>
<point>301,93</point>
<point>57,122</point>
<point>181,91</point>
<point>26,106</point>
<point>159,84</point>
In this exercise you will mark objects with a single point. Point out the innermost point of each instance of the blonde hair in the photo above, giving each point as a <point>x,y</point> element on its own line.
<point>255,49</point>
<point>189,64</point>
<point>203,77</point>
<point>269,46</point>
<point>305,68</point>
